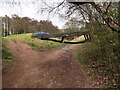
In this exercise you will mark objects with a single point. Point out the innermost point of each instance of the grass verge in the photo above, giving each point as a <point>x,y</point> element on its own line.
<point>7,56</point>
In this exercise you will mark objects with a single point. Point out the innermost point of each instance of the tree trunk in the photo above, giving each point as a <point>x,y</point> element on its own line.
<point>109,21</point>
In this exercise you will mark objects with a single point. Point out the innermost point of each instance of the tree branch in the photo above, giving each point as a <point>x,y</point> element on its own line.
<point>56,6</point>
<point>107,8</point>
<point>109,21</point>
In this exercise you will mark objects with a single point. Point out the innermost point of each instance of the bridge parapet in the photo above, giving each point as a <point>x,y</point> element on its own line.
<point>64,35</point>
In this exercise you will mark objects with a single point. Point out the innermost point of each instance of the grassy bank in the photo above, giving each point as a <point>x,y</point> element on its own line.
<point>36,44</point>
<point>41,45</point>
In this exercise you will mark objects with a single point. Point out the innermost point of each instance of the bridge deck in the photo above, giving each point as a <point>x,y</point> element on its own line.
<point>61,35</point>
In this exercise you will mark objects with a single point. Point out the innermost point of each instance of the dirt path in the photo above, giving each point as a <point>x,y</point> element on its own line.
<point>50,69</point>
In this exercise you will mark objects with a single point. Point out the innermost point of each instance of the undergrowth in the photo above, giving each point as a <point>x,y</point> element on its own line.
<point>97,67</point>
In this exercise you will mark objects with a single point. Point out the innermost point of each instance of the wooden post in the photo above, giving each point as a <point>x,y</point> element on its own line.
<point>89,37</point>
<point>4,26</point>
<point>7,24</point>
<point>0,52</point>
<point>85,37</point>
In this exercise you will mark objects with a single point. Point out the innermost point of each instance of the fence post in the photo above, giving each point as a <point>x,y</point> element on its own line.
<point>0,53</point>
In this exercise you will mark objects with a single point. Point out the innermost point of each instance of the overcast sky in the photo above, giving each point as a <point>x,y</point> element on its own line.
<point>30,9</point>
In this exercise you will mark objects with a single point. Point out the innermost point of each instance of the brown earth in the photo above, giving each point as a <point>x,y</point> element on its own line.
<point>56,68</point>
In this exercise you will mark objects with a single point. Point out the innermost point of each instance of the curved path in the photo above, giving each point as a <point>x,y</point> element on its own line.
<point>56,68</point>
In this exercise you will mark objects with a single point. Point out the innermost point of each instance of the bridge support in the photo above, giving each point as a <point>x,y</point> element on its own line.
<point>87,37</point>
<point>62,39</point>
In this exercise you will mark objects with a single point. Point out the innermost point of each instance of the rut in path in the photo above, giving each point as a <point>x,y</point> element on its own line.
<point>56,68</point>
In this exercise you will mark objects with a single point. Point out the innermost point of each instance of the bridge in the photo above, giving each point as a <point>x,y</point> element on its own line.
<point>64,35</point>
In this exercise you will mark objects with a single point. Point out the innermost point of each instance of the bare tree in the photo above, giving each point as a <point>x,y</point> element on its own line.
<point>76,7</point>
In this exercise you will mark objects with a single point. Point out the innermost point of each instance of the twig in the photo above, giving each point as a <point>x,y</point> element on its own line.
<point>108,7</point>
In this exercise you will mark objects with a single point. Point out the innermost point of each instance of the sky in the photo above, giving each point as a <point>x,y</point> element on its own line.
<point>30,9</point>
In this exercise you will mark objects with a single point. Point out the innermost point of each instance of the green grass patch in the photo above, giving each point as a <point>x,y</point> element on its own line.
<point>6,54</point>
<point>41,45</point>
<point>20,35</point>
<point>81,54</point>
<point>78,39</point>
